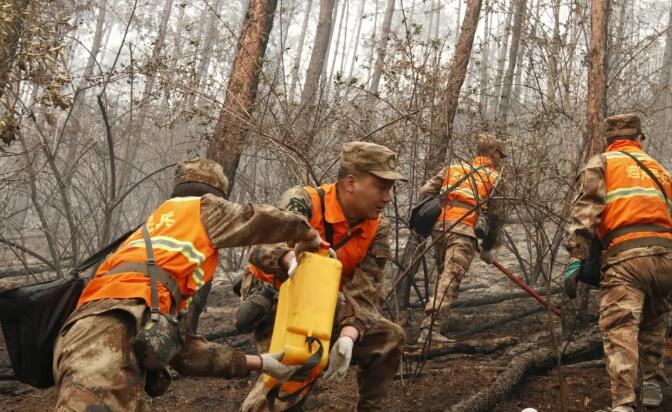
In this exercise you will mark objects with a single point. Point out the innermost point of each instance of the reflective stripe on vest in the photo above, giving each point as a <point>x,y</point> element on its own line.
<point>484,178</point>
<point>632,197</point>
<point>181,247</point>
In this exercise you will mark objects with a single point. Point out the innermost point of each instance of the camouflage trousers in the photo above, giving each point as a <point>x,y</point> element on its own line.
<point>634,302</point>
<point>95,367</point>
<point>377,354</point>
<point>453,254</point>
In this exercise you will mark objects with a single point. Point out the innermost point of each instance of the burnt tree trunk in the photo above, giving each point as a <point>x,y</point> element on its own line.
<point>505,99</point>
<point>229,138</point>
<point>438,144</point>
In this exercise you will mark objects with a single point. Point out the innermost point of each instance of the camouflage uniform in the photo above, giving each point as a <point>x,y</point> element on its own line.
<point>380,344</point>
<point>635,291</point>
<point>95,367</point>
<point>455,250</point>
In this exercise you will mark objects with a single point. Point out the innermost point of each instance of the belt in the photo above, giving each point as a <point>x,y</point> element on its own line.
<point>162,276</point>
<point>634,243</point>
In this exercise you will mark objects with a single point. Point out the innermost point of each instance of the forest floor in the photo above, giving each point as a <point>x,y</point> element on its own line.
<point>442,381</point>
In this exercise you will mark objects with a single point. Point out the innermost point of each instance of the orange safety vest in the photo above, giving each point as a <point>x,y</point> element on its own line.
<point>350,253</point>
<point>635,207</point>
<point>181,247</point>
<point>461,199</point>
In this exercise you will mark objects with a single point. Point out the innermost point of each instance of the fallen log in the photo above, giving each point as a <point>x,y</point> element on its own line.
<point>535,361</point>
<point>499,322</point>
<point>467,346</point>
<point>501,297</point>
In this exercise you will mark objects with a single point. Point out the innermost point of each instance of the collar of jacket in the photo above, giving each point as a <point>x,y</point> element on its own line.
<point>625,144</point>
<point>482,161</point>
<point>334,212</point>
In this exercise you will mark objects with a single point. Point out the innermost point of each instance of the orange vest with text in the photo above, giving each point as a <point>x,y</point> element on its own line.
<point>460,200</point>
<point>632,197</point>
<point>349,254</point>
<point>181,247</point>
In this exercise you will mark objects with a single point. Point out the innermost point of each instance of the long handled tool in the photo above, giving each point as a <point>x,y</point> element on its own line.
<point>526,288</point>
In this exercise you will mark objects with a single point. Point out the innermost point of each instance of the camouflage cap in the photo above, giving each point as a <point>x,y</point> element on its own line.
<point>201,171</point>
<point>373,158</point>
<point>622,125</point>
<point>488,142</point>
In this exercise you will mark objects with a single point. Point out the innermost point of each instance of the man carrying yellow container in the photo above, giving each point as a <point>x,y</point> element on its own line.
<point>348,215</point>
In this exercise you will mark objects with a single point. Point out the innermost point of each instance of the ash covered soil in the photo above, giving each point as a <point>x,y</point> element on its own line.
<point>433,385</point>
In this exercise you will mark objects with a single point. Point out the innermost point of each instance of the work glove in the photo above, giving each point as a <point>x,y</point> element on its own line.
<point>570,276</point>
<point>487,256</point>
<point>339,359</point>
<point>271,365</point>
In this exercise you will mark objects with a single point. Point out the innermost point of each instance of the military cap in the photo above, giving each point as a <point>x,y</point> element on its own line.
<point>488,142</point>
<point>204,171</point>
<point>372,158</point>
<point>622,125</point>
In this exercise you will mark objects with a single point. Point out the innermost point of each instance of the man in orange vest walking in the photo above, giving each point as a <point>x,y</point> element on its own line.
<point>348,215</point>
<point>624,198</point>
<point>112,347</point>
<point>466,191</point>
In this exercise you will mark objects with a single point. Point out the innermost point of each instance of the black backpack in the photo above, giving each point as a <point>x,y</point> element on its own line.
<point>32,316</point>
<point>425,214</point>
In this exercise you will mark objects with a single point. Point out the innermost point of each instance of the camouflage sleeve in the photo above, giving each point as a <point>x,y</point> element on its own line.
<point>363,293</point>
<point>433,185</point>
<point>201,358</point>
<point>267,257</point>
<point>587,207</point>
<point>496,214</point>
<point>230,225</point>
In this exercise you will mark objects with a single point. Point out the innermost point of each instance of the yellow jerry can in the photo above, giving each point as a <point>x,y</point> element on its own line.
<point>305,314</point>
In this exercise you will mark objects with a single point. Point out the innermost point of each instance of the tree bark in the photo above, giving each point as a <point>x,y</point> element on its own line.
<point>485,56</point>
<point>439,142</point>
<point>503,107</point>
<point>597,79</point>
<point>296,67</point>
<point>229,138</point>
<point>319,54</point>
<point>382,48</point>
<point>360,16</point>
<point>504,34</point>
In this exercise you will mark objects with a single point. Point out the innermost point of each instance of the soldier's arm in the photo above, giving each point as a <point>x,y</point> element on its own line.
<point>496,215</point>
<point>230,225</point>
<point>267,257</point>
<point>433,185</point>
<point>587,207</point>
<point>363,293</point>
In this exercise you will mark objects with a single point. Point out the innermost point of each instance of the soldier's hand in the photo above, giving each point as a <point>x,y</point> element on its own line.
<point>271,365</point>
<point>308,245</point>
<point>570,276</point>
<point>339,359</point>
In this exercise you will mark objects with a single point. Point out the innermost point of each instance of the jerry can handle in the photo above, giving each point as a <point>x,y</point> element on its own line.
<point>300,374</point>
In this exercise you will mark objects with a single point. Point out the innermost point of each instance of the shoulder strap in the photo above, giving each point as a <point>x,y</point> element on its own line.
<point>459,182</point>
<point>648,172</point>
<point>328,227</point>
<point>151,271</point>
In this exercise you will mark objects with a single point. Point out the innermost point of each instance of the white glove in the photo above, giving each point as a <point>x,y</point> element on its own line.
<point>271,365</point>
<point>293,264</point>
<point>339,359</point>
<point>487,256</point>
